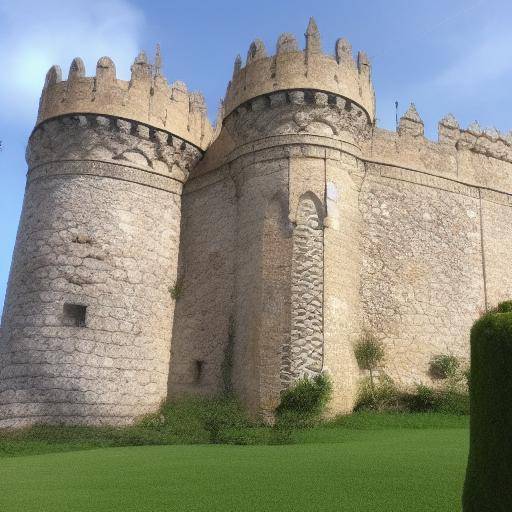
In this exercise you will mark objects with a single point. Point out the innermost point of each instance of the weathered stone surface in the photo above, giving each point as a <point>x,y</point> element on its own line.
<point>100,229</point>
<point>302,224</point>
<point>304,355</point>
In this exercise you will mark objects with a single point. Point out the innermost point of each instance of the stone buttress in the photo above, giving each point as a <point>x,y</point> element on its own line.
<point>88,314</point>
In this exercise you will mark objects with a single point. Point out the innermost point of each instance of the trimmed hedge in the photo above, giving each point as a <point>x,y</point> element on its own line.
<point>488,485</point>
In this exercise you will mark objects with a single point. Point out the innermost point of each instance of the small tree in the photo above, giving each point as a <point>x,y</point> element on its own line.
<point>488,484</point>
<point>369,353</point>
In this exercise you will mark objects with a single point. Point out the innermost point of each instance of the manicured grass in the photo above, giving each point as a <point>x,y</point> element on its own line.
<point>365,462</point>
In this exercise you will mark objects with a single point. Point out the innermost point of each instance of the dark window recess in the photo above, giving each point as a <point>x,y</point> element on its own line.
<point>198,370</point>
<point>74,315</point>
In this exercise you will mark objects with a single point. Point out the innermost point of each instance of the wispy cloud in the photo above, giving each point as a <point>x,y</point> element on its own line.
<point>487,60</point>
<point>36,34</point>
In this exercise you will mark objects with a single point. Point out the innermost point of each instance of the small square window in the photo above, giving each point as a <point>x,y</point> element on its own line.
<point>74,315</point>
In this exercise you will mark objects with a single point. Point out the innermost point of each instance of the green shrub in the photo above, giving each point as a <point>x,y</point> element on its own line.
<point>444,366</point>
<point>199,419</point>
<point>504,307</point>
<point>423,400</point>
<point>382,395</point>
<point>488,484</point>
<point>305,401</point>
<point>447,400</point>
<point>451,401</point>
<point>176,290</point>
<point>369,353</point>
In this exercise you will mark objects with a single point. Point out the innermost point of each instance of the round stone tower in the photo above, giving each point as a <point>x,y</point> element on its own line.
<point>88,315</point>
<point>293,127</point>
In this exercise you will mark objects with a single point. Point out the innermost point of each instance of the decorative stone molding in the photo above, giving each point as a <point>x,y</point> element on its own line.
<point>304,355</point>
<point>307,112</point>
<point>114,140</point>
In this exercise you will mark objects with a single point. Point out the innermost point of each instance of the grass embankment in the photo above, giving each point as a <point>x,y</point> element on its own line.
<point>364,462</point>
<point>209,421</point>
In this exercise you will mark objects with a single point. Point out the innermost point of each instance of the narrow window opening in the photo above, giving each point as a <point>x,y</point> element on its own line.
<point>198,371</point>
<point>74,315</point>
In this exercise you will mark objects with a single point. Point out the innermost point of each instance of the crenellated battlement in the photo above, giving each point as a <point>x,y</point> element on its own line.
<point>146,97</point>
<point>292,68</point>
<point>488,141</point>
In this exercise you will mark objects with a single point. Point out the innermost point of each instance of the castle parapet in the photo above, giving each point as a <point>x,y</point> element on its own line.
<point>292,68</point>
<point>489,142</point>
<point>147,98</point>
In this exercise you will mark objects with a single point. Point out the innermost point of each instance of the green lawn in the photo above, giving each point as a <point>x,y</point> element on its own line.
<point>388,464</point>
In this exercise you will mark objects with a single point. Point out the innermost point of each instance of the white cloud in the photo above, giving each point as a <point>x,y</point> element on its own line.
<point>36,34</point>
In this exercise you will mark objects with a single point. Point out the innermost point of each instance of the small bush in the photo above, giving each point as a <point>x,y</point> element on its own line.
<point>444,366</point>
<point>467,377</point>
<point>503,307</point>
<point>369,353</point>
<point>384,396</point>
<point>424,400</point>
<point>378,396</point>
<point>449,400</point>
<point>199,419</point>
<point>305,401</point>
<point>453,402</point>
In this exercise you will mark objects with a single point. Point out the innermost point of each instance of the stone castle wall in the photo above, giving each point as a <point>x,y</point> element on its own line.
<point>436,230</point>
<point>252,264</point>
<point>99,230</point>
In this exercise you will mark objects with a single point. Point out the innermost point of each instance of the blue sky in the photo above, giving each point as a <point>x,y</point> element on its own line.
<point>446,56</point>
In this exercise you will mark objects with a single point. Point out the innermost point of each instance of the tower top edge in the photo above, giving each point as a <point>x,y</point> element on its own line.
<point>293,68</point>
<point>147,97</point>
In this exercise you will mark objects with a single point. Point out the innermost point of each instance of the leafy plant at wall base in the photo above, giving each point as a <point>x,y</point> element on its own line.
<point>369,353</point>
<point>504,307</point>
<point>488,485</point>
<point>377,396</point>
<point>306,400</point>
<point>176,290</point>
<point>444,366</point>
<point>301,406</point>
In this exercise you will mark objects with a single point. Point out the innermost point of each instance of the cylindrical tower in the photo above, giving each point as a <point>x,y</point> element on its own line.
<point>293,127</point>
<point>88,315</point>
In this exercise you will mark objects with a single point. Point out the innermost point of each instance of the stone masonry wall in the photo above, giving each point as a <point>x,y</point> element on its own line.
<point>204,309</point>
<point>436,235</point>
<point>342,265</point>
<point>261,289</point>
<point>496,230</point>
<point>422,271</point>
<point>100,229</point>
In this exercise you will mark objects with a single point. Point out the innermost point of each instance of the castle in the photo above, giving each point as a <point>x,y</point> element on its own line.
<point>158,256</point>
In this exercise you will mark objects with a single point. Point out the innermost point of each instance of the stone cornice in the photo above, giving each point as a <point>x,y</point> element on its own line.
<point>114,140</point>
